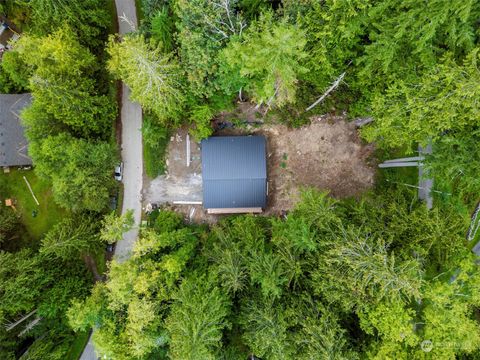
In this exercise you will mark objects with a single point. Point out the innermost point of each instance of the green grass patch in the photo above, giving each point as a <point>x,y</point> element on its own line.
<point>78,345</point>
<point>154,159</point>
<point>47,213</point>
<point>155,143</point>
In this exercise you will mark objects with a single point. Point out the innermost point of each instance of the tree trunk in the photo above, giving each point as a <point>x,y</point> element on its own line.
<point>25,317</point>
<point>362,121</point>
<point>326,93</point>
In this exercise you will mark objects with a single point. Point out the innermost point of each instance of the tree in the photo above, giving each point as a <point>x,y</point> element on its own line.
<point>15,73</point>
<point>62,85</point>
<point>9,225</point>
<point>162,28</point>
<point>204,28</point>
<point>89,18</point>
<point>76,167</point>
<point>442,101</point>
<point>423,31</point>
<point>319,334</point>
<point>113,226</point>
<point>130,308</point>
<point>201,116</point>
<point>265,329</point>
<point>31,282</point>
<point>196,320</point>
<point>337,279</point>
<point>451,163</point>
<point>154,78</point>
<point>335,31</point>
<point>22,282</point>
<point>71,238</point>
<point>270,58</point>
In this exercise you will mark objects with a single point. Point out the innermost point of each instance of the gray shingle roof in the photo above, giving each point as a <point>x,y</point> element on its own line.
<point>234,171</point>
<point>13,144</point>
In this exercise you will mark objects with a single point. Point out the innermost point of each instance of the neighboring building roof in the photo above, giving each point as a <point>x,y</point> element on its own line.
<point>234,172</point>
<point>13,145</point>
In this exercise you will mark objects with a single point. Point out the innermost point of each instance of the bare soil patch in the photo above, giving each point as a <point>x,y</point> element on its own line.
<point>326,154</point>
<point>180,182</point>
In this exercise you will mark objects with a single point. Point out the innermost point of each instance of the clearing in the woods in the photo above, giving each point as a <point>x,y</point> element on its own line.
<point>326,154</point>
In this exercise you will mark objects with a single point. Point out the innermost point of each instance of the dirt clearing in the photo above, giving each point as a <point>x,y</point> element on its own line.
<point>327,154</point>
<point>180,182</point>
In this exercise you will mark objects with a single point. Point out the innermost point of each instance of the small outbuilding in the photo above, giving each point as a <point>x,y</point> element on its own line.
<point>13,144</point>
<point>234,172</point>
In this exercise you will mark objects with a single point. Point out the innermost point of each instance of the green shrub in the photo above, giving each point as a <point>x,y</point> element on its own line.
<point>161,28</point>
<point>201,115</point>
<point>155,142</point>
<point>167,221</point>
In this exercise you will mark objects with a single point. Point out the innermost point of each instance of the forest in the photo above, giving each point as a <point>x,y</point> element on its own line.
<point>378,276</point>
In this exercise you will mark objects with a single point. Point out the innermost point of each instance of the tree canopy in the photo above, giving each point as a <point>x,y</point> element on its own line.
<point>383,268</point>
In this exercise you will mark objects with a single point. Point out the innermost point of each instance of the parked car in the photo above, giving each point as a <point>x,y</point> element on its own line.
<point>119,172</point>
<point>113,202</point>
<point>110,247</point>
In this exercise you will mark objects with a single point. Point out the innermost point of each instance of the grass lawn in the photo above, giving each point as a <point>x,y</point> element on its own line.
<point>48,213</point>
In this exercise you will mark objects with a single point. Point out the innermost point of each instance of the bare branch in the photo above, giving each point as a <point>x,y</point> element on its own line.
<point>329,90</point>
<point>359,122</point>
<point>124,18</point>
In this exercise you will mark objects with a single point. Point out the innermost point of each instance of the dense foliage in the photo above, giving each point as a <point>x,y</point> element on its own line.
<point>59,60</point>
<point>378,277</point>
<point>331,280</point>
<point>69,120</point>
<point>154,79</point>
<point>33,282</point>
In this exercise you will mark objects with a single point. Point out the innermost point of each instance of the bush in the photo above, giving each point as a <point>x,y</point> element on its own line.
<point>162,29</point>
<point>201,115</point>
<point>167,221</point>
<point>155,143</point>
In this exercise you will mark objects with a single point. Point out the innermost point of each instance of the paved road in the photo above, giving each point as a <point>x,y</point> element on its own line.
<point>132,157</point>
<point>131,115</point>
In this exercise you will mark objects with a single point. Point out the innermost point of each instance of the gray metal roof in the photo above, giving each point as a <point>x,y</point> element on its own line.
<point>234,171</point>
<point>13,144</point>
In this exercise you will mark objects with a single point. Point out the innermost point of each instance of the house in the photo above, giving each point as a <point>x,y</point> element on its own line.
<point>234,172</point>
<point>13,144</point>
